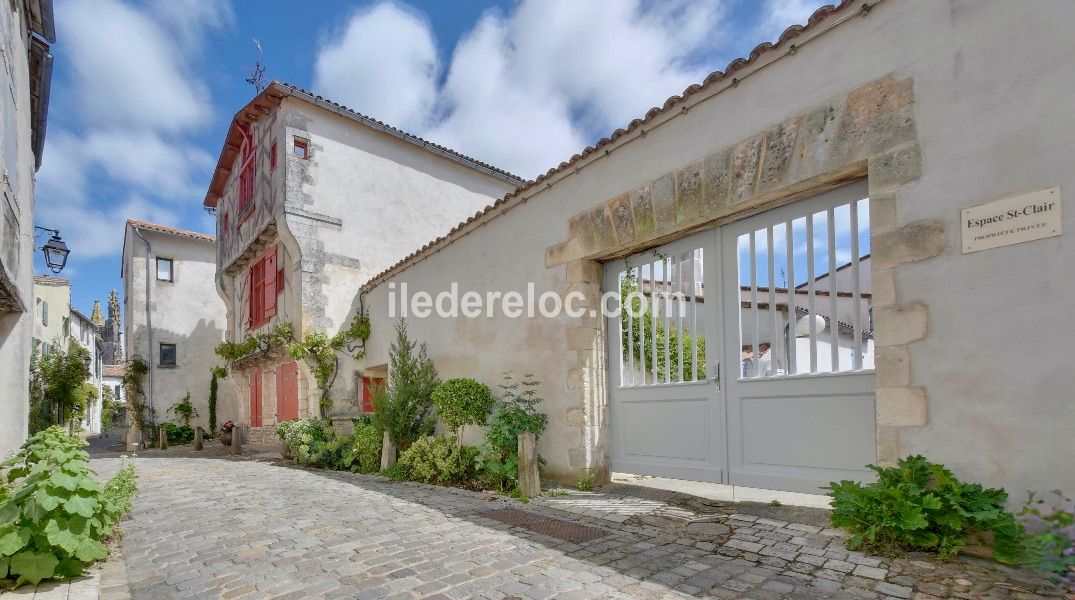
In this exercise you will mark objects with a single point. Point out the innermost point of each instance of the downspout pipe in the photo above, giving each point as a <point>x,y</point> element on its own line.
<point>149,321</point>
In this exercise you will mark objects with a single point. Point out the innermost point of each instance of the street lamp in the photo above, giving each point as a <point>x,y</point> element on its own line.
<point>55,250</point>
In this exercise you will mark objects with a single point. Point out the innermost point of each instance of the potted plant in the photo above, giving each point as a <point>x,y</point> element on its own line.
<point>225,432</point>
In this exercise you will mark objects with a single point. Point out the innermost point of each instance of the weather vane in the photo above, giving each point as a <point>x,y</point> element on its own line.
<point>257,72</point>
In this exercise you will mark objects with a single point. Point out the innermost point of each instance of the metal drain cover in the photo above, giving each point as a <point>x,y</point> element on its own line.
<point>562,530</point>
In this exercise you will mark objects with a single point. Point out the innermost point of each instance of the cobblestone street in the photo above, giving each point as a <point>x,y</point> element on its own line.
<point>228,528</point>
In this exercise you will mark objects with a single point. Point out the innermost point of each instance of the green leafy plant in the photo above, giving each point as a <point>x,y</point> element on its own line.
<point>364,455</point>
<point>462,402</point>
<point>516,412</point>
<point>58,395</point>
<point>585,484</point>
<point>178,434</point>
<point>405,407</point>
<point>396,472</point>
<point>921,505</point>
<point>110,405</point>
<point>439,460</point>
<point>278,337</point>
<point>54,515</point>
<point>184,410</point>
<point>1050,524</point>
<point>215,374</point>
<point>133,376</point>
<point>304,438</point>
<point>320,352</point>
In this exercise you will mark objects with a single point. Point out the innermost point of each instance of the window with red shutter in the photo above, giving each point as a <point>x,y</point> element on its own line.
<point>272,157</point>
<point>268,267</point>
<point>255,399</point>
<point>246,173</point>
<point>367,392</point>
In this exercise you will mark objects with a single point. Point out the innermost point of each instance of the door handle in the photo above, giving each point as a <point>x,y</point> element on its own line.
<point>716,375</point>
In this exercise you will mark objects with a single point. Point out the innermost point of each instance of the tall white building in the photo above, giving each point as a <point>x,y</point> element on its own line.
<point>174,317</point>
<point>26,33</point>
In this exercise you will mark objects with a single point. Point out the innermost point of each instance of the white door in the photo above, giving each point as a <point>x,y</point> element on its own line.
<point>775,389</point>
<point>665,414</point>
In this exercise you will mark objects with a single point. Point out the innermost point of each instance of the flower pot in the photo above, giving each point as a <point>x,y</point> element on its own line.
<point>225,438</point>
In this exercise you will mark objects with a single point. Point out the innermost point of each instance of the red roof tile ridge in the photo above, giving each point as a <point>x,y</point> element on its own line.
<point>172,230</point>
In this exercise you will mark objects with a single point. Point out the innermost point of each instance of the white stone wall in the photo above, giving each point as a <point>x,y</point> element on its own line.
<point>982,387</point>
<point>187,312</point>
<point>16,227</point>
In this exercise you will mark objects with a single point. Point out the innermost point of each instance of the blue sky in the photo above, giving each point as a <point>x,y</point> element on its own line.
<point>143,91</point>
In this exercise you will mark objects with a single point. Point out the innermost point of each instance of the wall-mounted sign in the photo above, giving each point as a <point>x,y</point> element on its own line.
<point>1012,220</point>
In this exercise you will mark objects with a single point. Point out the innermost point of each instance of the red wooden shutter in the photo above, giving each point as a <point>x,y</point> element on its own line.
<point>255,399</point>
<point>367,396</point>
<point>269,291</point>
<point>248,296</point>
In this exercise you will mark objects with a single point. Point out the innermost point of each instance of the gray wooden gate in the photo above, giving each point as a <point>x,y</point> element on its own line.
<point>767,379</point>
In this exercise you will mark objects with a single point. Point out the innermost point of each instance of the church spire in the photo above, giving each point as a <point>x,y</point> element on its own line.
<point>113,306</point>
<point>96,317</point>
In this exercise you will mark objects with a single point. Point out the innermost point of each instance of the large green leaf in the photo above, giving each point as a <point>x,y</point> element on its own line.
<point>90,484</point>
<point>12,540</point>
<point>9,511</point>
<point>91,550</point>
<point>61,479</point>
<point>49,499</point>
<point>69,567</point>
<point>34,566</point>
<point>80,505</point>
<point>59,535</point>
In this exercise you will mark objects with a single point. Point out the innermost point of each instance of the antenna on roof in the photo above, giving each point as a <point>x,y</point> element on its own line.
<point>257,72</point>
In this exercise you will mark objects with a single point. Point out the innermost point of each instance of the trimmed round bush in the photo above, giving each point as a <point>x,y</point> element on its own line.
<point>462,402</point>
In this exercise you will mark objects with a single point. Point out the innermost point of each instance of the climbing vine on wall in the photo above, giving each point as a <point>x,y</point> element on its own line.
<point>136,393</point>
<point>320,352</point>
<point>316,348</point>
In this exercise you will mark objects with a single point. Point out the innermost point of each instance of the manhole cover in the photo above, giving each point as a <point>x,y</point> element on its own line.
<point>562,530</point>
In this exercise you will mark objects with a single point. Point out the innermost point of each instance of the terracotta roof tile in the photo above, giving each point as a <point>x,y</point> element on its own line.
<point>114,370</point>
<point>713,78</point>
<point>194,235</point>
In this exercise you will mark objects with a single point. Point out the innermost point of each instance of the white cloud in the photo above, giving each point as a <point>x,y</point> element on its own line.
<point>151,163</point>
<point>524,90</point>
<point>191,20</point>
<point>778,15</point>
<point>383,64</point>
<point>128,70</point>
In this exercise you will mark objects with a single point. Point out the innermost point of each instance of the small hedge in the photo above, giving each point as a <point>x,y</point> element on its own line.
<point>178,434</point>
<point>55,515</point>
<point>315,442</point>
<point>438,460</point>
<point>919,505</point>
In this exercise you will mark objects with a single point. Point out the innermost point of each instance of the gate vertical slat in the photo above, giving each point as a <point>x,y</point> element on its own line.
<point>793,348</point>
<point>653,329</point>
<point>856,292</point>
<point>666,281</point>
<point>834,320</point>
<point>754,305</point>
<point>774,336</point>
<point>625,313</point>
<point>810,289</point>
<point>641,283</point>
<point>694,314</point>
<point>680,307</point>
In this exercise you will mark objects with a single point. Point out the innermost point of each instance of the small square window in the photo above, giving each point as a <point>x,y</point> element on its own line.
<point>167,358</point>
<point>302,149</point>
<point>164,269</point>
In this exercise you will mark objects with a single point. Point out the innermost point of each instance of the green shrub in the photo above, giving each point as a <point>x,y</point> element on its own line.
<point>54,515</point>
<point>397,472</point>
<point>439,460</point>
<point>365,451</point>
<point>184,411</point>
<point>405,407</point>
<point>462,402</point>
<point>178,434</point>
<point>1050,524</point>
<point>920,505</point>
<point>515,413</point>
<point>304,438</point>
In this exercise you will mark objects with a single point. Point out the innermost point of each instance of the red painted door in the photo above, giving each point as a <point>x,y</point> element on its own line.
<point>255,399</point>
<point>287,392</point>
<point>367,396</point>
